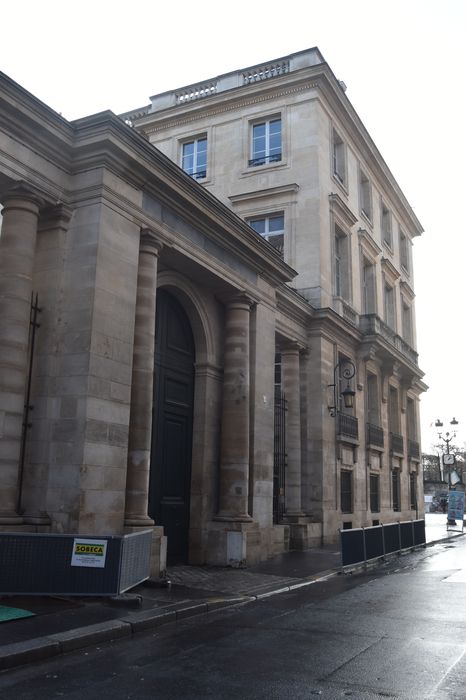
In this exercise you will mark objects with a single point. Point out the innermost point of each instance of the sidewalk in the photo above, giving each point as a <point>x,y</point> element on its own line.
<point>61,625</point>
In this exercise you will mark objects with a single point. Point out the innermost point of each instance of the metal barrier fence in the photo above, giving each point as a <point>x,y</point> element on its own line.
<point>363,544</point>
<point>56,564</point>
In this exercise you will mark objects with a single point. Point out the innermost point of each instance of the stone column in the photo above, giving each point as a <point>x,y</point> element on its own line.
<point>17,249</point>
<point>291,388</point>
<point>234,448</point>
<point>140,427</point>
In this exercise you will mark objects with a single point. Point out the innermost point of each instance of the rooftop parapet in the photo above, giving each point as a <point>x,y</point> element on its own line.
<point>236,79</point>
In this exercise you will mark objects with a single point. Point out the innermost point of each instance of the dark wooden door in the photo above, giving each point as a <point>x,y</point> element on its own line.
<point>170,480</point>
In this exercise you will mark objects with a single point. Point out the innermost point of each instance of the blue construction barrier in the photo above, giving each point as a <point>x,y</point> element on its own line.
<point>360,545</point>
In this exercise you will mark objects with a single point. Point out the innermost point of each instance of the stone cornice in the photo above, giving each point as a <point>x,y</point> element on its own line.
<point>390,270</point>
<point>269,192</point>
<point>31,122</point>
<point>341,210</point>
<point>103,140</point>
<point>367,242</point>
<point>407,291</point>
<point>332,96</point>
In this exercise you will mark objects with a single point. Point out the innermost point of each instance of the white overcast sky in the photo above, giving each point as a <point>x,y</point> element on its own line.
<point>403,61</point>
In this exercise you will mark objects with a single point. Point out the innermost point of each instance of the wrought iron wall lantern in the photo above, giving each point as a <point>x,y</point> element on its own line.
<point>342,370</point>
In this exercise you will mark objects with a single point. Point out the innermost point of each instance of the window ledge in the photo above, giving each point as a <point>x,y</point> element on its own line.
<point>342,185</point>
<point>366,218</point>
<point>252,169</point>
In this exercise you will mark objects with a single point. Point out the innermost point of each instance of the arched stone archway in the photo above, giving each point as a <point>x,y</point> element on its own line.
<point>204,316</point>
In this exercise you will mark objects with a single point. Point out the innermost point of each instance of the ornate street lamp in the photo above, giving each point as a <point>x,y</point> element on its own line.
<point>342,370</point>
<point>448,458</point>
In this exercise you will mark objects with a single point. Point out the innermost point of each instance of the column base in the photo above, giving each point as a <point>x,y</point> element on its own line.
<point>229,518</point>
<point>304,535</point>
<point>7,518</point>
<point>39,519</point>
<point>233,543</point>
<point>138,521</point>
<point>295,517</point>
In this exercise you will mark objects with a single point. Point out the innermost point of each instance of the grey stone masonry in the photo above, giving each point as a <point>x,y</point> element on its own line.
<point>17,249</point>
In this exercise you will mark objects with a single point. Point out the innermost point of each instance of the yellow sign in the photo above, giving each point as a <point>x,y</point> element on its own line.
<point>88,552</point>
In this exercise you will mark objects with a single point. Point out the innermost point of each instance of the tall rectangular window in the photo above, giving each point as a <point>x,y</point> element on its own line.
<point>368,287</point>
<point>404,252</point>
<point>272,228</point>
<point>373,409</point>
<point>266,142</point>
<point>374,480</point>
<point>396,490</point>
<point>411,419</point>
<point>393,411</point>
<point>412,491</point>
<point>407,322</point>
<point>389,306</point>
<point>346,491</point>
<point>338,157</point>
<point>365,196</point>
<point>342,272</point>
<point>194,158</point>
<point>386,223</point>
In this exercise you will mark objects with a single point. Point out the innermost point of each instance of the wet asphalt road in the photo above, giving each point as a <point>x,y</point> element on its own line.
<point>398,631</point>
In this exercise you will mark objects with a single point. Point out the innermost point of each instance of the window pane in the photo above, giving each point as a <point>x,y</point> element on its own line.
<point>276,223</point>
<point>258,225</point>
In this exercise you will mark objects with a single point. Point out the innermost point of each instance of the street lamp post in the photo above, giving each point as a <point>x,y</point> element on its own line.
<point>344,369</point>
<point>448,457</point>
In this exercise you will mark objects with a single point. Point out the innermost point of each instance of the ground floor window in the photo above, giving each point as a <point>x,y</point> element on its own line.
<point>346,491</point>
<point>412,491</point>
<point>396,490</point>
<point>375,493</point>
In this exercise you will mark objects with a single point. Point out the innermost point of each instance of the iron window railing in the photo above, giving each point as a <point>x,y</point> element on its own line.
<point>396,443</point>
<point>347,426</point>
<point>262,160</point>
<point>375,435</point>
<point>199,174</point>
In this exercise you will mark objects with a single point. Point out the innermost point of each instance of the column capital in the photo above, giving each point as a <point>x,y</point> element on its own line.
<point>149,243</point>
<point>55,217</point>
<point>292,347</point>
<point>240,300</point>
<point>22,191</point>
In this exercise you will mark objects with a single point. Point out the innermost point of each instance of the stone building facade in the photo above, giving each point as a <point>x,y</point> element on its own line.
<point>180,373</point>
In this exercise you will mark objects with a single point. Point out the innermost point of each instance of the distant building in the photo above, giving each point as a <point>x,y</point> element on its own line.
<point>193,323</point>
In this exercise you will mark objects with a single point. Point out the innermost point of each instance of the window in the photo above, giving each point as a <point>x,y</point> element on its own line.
<point>404,253</point>
<point>272,228</point>
<point>194,158</point>
<point>411,419</point>
<point>368,286</point>
<point>412,491</point>
<point>346,491</point>
<point>365,195</point>
<point>342,274</point>
<point>407,323</point>
<point>373,413</point>
<point>338,158</point>
<point>396,490</point>
<point>374,480</point>
<point>393,411</point>
<point>389,306</point>
<point>386,224</point>
<point>266,142</point>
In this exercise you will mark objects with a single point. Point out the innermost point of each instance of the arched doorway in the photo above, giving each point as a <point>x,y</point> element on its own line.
<point>170,478</point>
